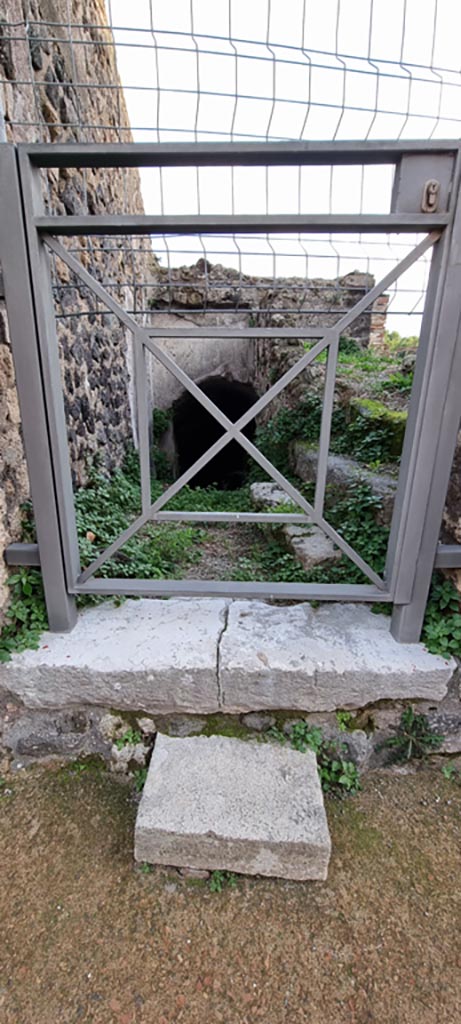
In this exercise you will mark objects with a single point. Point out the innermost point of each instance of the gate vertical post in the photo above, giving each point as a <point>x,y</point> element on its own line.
<point>42,292</point>
<point>21,313</point>
<point>432,431</point>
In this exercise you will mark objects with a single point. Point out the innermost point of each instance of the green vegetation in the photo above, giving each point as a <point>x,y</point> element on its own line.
<point>344,720</point>
<point>413,738</point>
<point>338,776</point>
<point>369,431</point>
<point>300,424</point>
<point>140,776</point>
<point>87,764</point>
<point>354,358</point>
<point>107,506</point>
<point>375,427</point>
<point>354,517</point>
<point>130,737</point>
<point>398,382</point>
<point>442,622</point>
<point>220,880</point>
<point>225,725</point>
<point>26,616</point>
<point>451,772</point>
<point>395,343</point>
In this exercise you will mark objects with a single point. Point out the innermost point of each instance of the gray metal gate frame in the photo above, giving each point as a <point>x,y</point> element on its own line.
<point>26,236</point>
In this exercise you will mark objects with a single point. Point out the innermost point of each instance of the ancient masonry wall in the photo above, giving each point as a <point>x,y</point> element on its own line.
<point>239,300</point>
<point>40,104</point>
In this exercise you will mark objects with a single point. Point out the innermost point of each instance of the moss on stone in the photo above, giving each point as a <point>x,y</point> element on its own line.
<point>371,409</point>
<point>226,725</point>
<point>391,422</point>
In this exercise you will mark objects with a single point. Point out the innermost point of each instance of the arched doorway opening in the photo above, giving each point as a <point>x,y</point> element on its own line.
<point>195,430</point>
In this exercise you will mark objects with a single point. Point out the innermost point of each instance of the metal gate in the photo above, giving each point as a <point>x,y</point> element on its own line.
<point>425,200</point>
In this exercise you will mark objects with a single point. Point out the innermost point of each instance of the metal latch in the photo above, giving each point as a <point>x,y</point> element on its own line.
<point>430,200</point>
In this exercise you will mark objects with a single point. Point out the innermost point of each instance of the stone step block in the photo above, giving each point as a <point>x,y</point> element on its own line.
<point>333,656</point>
<point>309,544</point>
<point>221,803</point>
<point>147,655</point>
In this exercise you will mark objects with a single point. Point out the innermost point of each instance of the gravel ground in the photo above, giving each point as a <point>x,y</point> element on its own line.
<point>88,937</point>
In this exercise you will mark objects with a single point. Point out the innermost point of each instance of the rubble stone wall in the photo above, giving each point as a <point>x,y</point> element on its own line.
<point>236,300</point>
<point>41,103</point>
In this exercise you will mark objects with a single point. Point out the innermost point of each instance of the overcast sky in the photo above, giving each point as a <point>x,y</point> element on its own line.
<point>288,69</point>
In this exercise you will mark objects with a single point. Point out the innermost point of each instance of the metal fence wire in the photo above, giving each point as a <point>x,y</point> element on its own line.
<point>197,70</point>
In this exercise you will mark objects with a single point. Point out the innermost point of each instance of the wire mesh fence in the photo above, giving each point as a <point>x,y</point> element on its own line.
<point>197,70</point>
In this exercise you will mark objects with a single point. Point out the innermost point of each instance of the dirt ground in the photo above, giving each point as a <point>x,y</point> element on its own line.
<point>85,936</point>
<point>221,550</point>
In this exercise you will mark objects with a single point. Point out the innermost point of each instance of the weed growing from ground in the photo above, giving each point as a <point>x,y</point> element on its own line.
<point>413,738</point>
<point>301,423</point>
<point>398,382</point>
<point>337,775</point>
<point>395,342</point>
<point>130,737</point>
<point>26,617</point>
<point>353,515</point>
<point>139,777</point>
<point>442,622</point>
<point>220,880</point>
<point>344,719</point>
<point>106,506</point>
<point>86,764</point>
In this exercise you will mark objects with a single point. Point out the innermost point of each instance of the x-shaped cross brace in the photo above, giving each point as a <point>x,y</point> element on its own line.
<point>233,431</point>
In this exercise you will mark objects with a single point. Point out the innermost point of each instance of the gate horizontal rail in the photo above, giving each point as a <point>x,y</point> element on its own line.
<point>237,154</point>
<point>125,224</point>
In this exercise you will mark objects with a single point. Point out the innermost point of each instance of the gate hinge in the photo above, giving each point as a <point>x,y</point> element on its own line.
<point>431,192</point>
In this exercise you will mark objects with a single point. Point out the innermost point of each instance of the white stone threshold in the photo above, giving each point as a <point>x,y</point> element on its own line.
<point>211,655</point>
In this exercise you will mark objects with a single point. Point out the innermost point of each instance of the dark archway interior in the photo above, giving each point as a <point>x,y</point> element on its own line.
<point>195,430</point>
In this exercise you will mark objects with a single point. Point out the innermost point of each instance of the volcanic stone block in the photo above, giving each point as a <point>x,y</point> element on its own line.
<point>343,474</point>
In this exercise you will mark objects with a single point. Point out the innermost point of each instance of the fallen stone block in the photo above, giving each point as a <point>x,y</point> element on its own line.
<point>344,473</point>
<point>217,803</point>
<point>309,544</point>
